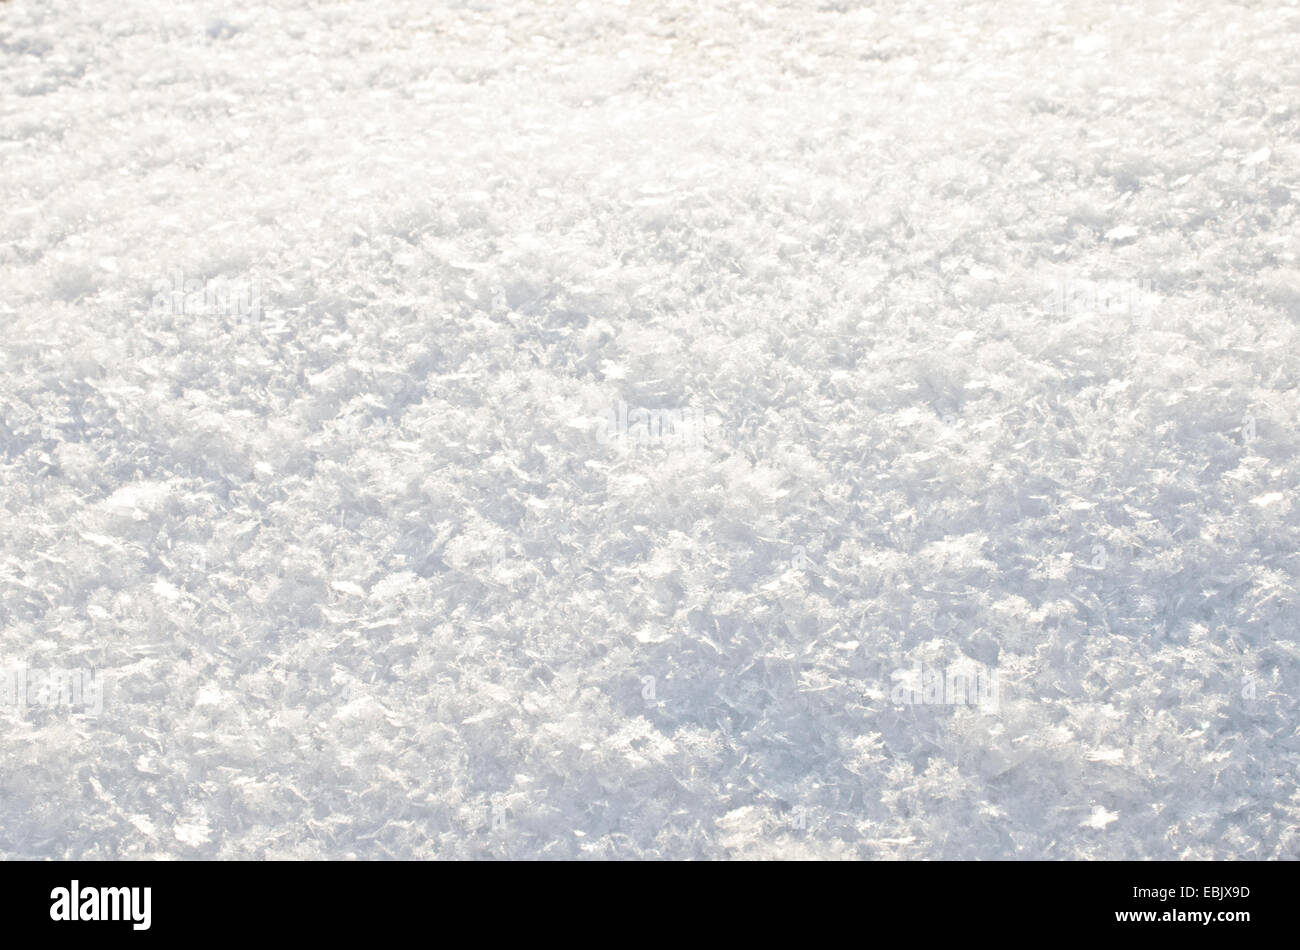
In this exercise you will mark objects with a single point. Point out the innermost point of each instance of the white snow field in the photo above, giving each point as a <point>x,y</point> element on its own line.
<point>586,430</point>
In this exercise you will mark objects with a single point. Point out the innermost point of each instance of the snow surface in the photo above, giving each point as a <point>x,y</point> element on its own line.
<point>972,329</point>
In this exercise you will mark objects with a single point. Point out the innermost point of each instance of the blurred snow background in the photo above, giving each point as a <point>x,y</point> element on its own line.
<point>365,578</point>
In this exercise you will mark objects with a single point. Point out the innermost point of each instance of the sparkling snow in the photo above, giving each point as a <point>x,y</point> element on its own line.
<point>574,429</point>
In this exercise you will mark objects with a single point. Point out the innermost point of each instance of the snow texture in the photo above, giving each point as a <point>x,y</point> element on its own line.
<point>581,430</point>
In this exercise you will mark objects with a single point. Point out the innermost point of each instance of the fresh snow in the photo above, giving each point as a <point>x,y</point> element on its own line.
<point>809,429</point>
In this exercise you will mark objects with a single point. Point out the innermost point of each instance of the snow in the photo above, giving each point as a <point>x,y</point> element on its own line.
<point>960,338</point>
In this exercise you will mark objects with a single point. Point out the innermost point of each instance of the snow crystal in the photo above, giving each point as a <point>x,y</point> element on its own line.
<point>662,430</point>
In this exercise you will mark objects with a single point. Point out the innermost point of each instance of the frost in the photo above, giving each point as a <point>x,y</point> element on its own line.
<point>192,833</point>
<point>340,406</point>
<point>1099,818</point>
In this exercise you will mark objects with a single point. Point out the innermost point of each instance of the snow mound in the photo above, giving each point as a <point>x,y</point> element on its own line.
<point>665,430</point>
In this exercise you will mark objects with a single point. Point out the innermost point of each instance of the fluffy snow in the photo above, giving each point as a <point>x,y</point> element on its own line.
<point>573,429</point>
